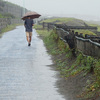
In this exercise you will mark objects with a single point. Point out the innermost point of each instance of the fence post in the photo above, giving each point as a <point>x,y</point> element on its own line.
<point>48,26</point>
<point>43,25</point>
<point>70,39</point>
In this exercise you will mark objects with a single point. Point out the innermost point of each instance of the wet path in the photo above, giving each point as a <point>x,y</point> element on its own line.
<point>24,71</point>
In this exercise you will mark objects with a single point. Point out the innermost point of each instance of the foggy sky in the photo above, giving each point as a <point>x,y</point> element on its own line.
<point>79,8</point>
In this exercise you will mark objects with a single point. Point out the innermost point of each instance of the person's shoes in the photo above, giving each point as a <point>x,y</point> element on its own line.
<point>29,44</point>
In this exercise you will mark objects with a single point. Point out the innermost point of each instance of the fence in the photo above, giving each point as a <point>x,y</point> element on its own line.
<point>7,21</point>
<point>88,45</point>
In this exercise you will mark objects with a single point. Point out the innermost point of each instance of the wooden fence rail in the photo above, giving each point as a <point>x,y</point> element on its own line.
<point>88,45</point>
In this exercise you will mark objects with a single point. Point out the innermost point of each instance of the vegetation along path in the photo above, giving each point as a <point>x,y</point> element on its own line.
<point>81,74</point>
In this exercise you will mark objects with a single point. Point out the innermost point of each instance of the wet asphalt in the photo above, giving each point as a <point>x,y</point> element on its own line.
<point>25,72</point>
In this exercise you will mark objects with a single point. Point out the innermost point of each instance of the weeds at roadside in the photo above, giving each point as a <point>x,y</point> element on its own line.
<point>8,28</point>
<point>84,64</point>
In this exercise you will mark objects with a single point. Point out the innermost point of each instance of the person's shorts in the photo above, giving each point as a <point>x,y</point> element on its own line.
<point>28,33</point>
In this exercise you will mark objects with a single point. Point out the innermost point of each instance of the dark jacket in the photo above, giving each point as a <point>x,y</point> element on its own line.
<point>28,25</point>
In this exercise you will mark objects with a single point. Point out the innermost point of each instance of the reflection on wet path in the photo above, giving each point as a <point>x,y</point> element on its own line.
<point>24,74</point>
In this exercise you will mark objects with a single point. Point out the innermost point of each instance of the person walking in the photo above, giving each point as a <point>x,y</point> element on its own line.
<point>29,28</point>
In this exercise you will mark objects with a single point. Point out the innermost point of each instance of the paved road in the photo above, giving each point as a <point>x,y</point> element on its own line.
<point>24,71</point>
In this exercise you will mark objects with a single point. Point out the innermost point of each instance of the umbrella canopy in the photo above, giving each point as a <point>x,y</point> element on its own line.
<point>31,14</point>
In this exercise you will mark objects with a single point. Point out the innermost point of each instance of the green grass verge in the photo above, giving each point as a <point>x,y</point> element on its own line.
<point>95,25</point>
<point>58,19</point>
<point>85,32</point>
<point>38,26</point>
<point>63,20</point>
<point>73,22</point>
<point>70,66</point>
<point>8,28</point>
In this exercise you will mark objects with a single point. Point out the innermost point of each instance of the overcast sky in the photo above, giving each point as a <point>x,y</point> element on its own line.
<point>77,8</point>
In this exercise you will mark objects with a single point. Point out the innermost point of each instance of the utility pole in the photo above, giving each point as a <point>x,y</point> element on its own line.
<point>23,7</point>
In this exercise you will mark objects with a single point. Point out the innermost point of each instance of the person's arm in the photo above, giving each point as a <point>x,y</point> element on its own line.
<point>25,24</point>
<point>32,23</point>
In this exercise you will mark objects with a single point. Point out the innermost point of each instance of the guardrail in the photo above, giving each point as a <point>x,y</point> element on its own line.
<point>88,45</point>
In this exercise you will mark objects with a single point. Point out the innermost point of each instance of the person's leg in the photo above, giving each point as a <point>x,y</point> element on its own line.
<point>30,37</point>
<point>28,40</point>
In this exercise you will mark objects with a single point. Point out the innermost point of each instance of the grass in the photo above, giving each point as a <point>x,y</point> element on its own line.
<point>62,20</point>
<point>85,32</point>
<point>58,19</point>
<point>8,28</point>
<point>38,26</point>
<point>43,33</point>
<point>69,66</point>
<point>95,25</point>
<point>72,21</point>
